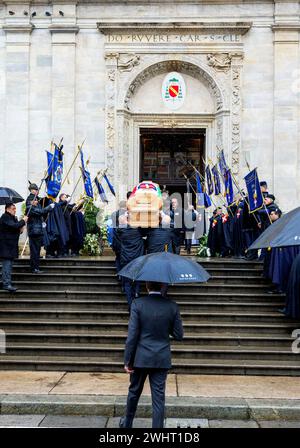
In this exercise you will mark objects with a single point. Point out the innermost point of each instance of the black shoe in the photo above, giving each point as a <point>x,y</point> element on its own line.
<point>37,271</point>
<point>282,310</point>
<point>10,288</point>
<point>121,422</point>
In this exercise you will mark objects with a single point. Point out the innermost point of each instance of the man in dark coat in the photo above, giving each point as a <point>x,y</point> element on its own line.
<point>153,320</point>
<point>35,213</point>
<point>116,240</point>
<point>213,241</point>
<point>132,246</point>
<point>250,229</point>
<point>159,239</point>
<point>10,229</point>
<point>292,308</point>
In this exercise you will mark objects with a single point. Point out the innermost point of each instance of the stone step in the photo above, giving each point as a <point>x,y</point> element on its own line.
<point>24,278</point>
<point>116,352</point>
<point>231,327</point>
<point>199,296</point>
<point>189,365</point>
<point>98,305</point>
<point>110,270</point>
<point>115,286</point>
<point>110,261</point>
<point>118,316</point>
<point>111,339</point>
<point>74,317</point>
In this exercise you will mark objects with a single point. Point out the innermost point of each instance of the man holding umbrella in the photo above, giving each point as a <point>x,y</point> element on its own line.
<point>10,230</point>
<point>153,319</point>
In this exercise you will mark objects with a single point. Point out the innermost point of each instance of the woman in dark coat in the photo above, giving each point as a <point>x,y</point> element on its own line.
<point>10,229</point>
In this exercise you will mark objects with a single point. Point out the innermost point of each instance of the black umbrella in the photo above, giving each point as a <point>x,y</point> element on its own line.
<point>283,232</point>
<point>8,195</point>
<point>164,267</point>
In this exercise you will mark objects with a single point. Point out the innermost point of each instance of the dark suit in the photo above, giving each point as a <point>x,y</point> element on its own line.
<point>132,246</point>
<point>152,320</point>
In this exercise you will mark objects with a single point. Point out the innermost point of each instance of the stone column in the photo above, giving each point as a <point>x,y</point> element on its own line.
<point>111,161</point>
<point>236,110</point>
<point>15,138</point>
<point>286,104</point>
<point>64,30</point>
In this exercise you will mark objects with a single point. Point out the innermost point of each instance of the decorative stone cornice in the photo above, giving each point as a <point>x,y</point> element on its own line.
<point>115,27</point>
<point>14,28</point>
<point>56,28</point>
<point>286,27</point>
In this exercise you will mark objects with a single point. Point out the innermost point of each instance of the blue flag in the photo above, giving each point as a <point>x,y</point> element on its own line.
<point>200,195</point>
<point>255,197</point>
<point>203,200</point>
<point>86,178</point>
<point>222,165</point>
<point>207,200</point>
<point>54,171</point>
<point>217,182</point>
<point>110,186</point>
<point>229,188</point>
<point>209,181</point>
<point>101,190</point>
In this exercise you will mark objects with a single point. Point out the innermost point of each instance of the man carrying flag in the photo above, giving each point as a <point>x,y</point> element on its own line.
<point>252,203</point>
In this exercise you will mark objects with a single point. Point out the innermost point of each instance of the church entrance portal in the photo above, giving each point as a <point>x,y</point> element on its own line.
<point>169,155</point>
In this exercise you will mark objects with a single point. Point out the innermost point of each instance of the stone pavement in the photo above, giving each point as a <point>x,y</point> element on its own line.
<point>116,384</point>
<point>91,421</point>
<point>99,399</point>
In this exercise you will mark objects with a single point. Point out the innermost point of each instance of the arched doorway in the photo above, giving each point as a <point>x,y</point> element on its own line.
<point>135,107</point>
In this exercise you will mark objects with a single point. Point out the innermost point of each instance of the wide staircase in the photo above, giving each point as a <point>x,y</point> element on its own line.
<point>74,318</point>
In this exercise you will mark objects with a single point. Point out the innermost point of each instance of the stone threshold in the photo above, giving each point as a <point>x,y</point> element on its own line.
<point>176,407</point>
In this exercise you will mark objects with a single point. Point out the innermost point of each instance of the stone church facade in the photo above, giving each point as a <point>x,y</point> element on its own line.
<point>93,70</point>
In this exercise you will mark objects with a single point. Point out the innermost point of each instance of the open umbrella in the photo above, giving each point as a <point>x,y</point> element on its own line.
<point>8,195</point>
<point>164,267</point>
<point>282,233</point>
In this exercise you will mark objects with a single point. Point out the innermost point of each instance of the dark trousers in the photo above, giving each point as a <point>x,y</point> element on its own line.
<point>188,244</point>
<point>131,289</point>
<point>7,265</point>
<point>35,244</point>
<point>118,262</point>
<point>249,237</point>
<point>157,379</point>
<point>176,241</point>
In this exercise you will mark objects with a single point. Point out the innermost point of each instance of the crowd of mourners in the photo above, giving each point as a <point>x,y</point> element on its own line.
<point>60,228</point>
<point>231,232</point>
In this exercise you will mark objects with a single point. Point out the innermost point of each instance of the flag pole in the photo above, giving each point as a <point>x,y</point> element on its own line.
<point>76,185</point>
<point>220,195</point>
<point>72,164</point>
